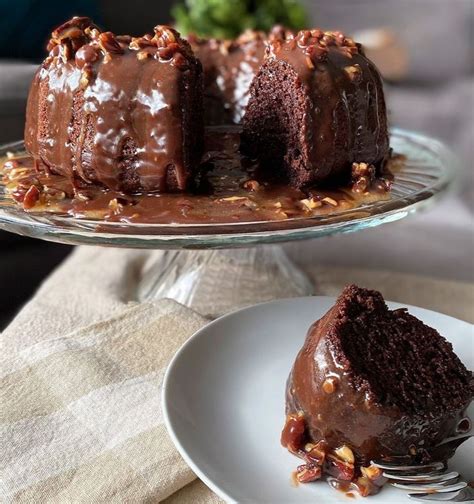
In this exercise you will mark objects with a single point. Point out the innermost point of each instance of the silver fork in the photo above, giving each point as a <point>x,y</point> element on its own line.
<point>430,482</point>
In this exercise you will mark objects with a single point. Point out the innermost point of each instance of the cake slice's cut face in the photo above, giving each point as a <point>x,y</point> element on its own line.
<point>279,124</point>
<point>395,358</point>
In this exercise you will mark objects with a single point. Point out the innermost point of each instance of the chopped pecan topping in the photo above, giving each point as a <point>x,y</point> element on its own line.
<point>251,36</point>
<point>345,454</point>
<point>86,76</point>
<point>164,36</point>
<point>251,185</point>
<point>354,72</point>
<point>109,44</point>
<point>70,37</point>
<point>279,32</point>
<point>87,54</point>
<point>317,33</point>
<point>309,63</point>
<point>339,468</point>
<point>31,197</point>
<point>167,52</point>
<point>53,194</point>
<point>224,47</point>
<point>363,174</point>
<point>144,54</point>
<point>308,472</point>
<point>310,203</point>
<point>330,384</point>
<point>115,205</point>
<point>314,44</point>
<point>315,453</point>
<point>123,39</point>
<point>92,32</point>
<point>330,201</point>
<point>371,480</point>
<point>74,28</point>
<point>138,43</point>
<point>372,472</point>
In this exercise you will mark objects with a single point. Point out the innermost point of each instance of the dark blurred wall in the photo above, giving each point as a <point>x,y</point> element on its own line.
<point>137,17</point>
<point>25,25</point>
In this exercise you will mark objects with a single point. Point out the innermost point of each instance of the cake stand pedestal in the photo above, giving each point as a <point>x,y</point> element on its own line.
<point>244,277</point>
<point>199,257</point>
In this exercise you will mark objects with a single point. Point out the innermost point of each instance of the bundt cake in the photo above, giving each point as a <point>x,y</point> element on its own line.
<point>229,68</point>
<point>118,111</point>
<point>373,384</point>
<point>127,113</point>
<point>316,107</point>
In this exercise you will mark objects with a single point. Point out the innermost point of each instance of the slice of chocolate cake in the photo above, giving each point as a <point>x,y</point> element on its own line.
<point>373,384</point>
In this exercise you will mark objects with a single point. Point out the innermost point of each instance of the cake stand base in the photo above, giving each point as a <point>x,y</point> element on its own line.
<point>214,282</point>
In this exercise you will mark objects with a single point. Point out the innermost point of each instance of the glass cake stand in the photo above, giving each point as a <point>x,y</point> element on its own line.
<point>196,256</point>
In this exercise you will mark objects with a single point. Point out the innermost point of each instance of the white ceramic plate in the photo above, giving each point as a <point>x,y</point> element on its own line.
<point>224,401</point>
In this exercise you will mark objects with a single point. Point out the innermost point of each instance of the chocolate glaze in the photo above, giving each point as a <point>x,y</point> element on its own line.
<point>344,116</point>
<point>116,113</point>
<point>351,415</point>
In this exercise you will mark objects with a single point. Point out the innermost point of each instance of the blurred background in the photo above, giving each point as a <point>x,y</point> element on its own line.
<point>424,49</point>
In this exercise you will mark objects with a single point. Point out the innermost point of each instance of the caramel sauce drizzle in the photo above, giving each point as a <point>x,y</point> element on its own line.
<point>225,192</point>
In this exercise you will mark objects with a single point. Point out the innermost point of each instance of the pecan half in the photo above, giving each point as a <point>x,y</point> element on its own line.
<point>315,453</point>
<point>109,44</point>
<point>308,472</point>
<point>71,35</point>
<point>165,35</point>
<point>73,28</point>
<point>339,469</point>
<point>31,197</point>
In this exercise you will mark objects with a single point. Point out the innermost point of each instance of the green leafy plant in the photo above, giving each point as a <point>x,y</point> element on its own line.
<point>228,18</point>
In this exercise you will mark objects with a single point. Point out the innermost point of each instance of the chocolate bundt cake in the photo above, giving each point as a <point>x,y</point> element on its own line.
<point>229,68</point>
<point>373,384</point>
<point>127,113</point>
<point>118,111</point>
<point>316,107</point>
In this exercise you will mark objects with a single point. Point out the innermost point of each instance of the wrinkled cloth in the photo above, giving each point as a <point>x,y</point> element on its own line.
<point>81,372</point>
<point>81,416</point>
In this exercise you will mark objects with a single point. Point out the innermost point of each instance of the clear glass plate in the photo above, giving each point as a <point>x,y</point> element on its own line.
<point>428,172</point>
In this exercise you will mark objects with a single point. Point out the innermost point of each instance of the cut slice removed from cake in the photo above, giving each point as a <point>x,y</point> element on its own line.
<point>372,383</point>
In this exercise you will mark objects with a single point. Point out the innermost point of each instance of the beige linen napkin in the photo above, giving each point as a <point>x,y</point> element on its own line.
<point>95,283</point>
<point>81,420</point>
